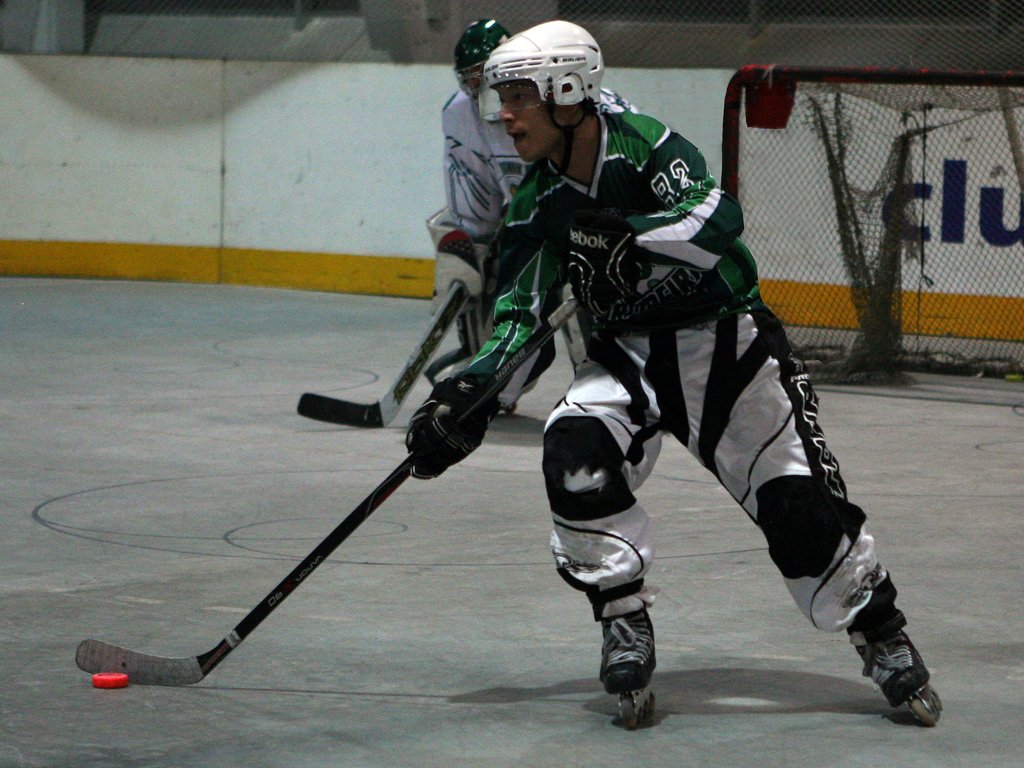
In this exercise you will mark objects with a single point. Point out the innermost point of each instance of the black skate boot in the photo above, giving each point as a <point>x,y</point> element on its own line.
<point>898,670</point>
<point>627,663</point>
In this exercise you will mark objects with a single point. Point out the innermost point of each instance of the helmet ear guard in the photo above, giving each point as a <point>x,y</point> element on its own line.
<point>570,90</point>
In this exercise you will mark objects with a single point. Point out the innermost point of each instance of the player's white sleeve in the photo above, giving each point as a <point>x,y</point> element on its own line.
<point>474,195</point>
<point>613,102</point>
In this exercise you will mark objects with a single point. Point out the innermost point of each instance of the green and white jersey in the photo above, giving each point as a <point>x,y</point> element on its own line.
<point>698,268</point>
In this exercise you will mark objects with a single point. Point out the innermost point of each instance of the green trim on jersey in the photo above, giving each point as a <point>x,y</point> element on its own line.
<point>517,320</point>
<point>523,205</point>
<point>661,182</point>
<point>636,146</point>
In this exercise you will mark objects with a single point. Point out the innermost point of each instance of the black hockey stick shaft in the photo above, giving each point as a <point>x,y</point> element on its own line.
<point>145,669</point>
<point>377,497</point>
<point>98,656</point>
<point>380,413</point>
<point>312,561</point>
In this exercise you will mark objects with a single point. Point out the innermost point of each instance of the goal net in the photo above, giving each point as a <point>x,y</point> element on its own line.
<point>884,210</point>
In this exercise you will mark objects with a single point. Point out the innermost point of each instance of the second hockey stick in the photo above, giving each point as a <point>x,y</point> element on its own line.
<point>146,669</point>
<point>381,413</point>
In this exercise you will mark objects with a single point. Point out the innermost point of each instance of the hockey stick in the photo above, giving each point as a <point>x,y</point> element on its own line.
<point>146,669</point>
<point>381,413</point>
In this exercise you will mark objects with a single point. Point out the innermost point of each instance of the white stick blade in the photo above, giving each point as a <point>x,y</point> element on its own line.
<point>96,656</point>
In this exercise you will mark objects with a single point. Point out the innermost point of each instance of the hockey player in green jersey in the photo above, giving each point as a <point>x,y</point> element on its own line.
<point>625,210</point>
<point>482,170</point>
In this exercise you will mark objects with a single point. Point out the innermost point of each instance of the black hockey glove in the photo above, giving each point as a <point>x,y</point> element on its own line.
<point>436,438</point>
<point>603,262</point>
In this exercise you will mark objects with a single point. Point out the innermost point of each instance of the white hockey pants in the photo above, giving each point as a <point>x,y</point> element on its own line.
<point>733,394</point>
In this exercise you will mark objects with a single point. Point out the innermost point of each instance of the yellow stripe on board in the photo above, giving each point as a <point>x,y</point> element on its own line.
<point>811,304</point>
<point>383,275</point>
<point>930,314</point>
<point>343,273</point>
<point>108,260</point>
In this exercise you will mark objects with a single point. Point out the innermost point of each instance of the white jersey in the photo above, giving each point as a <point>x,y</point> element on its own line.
<point>481,167</point>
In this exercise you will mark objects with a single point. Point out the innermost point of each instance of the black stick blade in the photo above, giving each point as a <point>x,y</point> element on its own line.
<point>321,408</point>
<point>143,669</point>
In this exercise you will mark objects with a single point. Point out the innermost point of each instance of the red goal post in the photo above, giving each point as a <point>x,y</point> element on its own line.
<point>884,209</point>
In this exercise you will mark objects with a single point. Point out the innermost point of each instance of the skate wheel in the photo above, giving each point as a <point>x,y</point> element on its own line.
<point>926,706</point>
<point>627,711</point>
<point>636,708</point>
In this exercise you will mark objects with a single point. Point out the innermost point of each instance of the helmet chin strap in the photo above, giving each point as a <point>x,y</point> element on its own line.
<point>569,133</point>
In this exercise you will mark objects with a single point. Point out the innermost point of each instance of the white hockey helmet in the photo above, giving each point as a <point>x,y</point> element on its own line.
<point>561,58</point>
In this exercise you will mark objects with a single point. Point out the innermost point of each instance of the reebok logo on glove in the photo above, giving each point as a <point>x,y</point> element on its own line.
<point>578,237</point>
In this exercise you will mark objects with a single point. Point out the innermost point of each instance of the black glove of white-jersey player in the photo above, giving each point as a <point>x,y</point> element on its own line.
<point>604,264</point>
<point>437,439</point>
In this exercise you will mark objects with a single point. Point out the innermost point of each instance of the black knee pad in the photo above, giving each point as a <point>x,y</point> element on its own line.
<point>803,526</point>
<point>578,443</point>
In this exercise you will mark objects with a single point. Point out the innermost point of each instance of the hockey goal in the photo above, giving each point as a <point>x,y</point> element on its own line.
<point>884,209</point>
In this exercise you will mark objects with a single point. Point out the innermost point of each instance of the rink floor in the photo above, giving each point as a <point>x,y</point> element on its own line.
<point>156,483</point>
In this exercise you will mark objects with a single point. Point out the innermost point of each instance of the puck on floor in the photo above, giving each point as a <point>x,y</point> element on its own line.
<point>110,680</point>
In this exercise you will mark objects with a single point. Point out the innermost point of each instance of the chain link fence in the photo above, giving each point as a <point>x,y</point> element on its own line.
<point>727,34</point>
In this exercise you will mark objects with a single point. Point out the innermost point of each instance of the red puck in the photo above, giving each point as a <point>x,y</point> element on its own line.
<point>110,680</point>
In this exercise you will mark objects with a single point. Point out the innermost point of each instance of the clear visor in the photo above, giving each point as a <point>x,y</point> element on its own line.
<point>470,78</point>
<point>509,97</point>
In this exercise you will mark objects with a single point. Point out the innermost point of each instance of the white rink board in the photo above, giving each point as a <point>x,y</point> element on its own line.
<point>122,150</point>
<point>323,158</point>
<point>333,158</point>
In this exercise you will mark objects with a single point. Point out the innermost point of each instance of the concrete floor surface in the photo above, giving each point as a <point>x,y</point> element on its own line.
<point>157,482</point>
